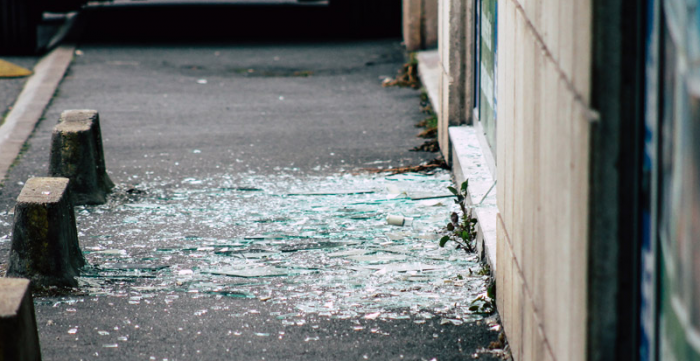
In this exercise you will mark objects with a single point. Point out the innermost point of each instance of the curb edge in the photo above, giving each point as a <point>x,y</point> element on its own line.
<point>31,103</point>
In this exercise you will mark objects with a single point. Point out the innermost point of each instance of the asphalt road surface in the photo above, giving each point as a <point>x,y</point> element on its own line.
<point>231,134</point>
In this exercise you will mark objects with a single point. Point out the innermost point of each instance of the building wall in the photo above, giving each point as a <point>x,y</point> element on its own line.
<point>542,170</point>
<point>542,161</point>
<point>452,43</point>
<point>420,24</point>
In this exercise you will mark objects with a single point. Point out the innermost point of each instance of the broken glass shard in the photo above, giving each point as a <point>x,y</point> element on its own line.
<point>417,196</point>
<point>119,266</point>
<point>331,193</point>
<point>377,258</point>
<point>347,253</point>
<point>401,268</point>
<point>257,272</point>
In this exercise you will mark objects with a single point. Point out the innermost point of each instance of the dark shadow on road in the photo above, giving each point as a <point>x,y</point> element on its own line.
<point>172,23</point>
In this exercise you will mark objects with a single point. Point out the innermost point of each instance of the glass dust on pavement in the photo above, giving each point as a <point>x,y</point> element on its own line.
<point>320,244</point>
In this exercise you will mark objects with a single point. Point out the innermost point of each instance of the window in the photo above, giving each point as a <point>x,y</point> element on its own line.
<point>486,68</point>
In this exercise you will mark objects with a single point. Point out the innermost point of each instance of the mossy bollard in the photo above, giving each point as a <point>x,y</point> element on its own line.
<point>76,153</point>
<point>45,245</point>
<point>19,339</point>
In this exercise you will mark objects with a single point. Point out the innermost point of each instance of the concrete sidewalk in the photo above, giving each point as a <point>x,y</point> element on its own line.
<point>242,225</point>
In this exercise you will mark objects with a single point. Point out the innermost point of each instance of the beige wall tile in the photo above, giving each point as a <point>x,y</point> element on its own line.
<point>542,172</point>
<point>542,168</point>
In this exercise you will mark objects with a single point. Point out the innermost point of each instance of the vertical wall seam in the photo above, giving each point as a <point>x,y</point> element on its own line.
<point>526,289</point>
<point>590,114</point>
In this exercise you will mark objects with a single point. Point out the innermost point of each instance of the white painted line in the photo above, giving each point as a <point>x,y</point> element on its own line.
<point>31,103</point>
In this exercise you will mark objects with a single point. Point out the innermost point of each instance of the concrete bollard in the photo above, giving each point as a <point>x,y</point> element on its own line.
<point>76,153</point>
<point>45,245</point>
<point>19,338</point>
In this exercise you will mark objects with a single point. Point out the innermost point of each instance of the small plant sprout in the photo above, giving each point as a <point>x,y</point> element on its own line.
<point>461,231</point>
<point>483,304</point>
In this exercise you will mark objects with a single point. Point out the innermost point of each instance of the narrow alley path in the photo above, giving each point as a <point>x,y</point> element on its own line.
<point>242,225</point>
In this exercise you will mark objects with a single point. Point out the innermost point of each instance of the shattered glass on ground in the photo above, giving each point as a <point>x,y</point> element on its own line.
<point>321,244</point>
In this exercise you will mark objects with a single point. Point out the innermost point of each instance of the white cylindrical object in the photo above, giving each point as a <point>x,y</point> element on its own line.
<point>397,220</point>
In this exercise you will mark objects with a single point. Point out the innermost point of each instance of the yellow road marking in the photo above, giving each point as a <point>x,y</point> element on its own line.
<point>9,70</point>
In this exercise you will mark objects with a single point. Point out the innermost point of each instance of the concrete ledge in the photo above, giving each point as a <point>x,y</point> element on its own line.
<point>429,73</point>
<point>19,339</point>
<point>45,245</point>
<point>468,162</point>
<point>76,153</point>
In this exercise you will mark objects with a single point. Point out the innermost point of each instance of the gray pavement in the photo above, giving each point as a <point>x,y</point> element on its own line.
<point>11,87</point>
<point>206,140</point>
